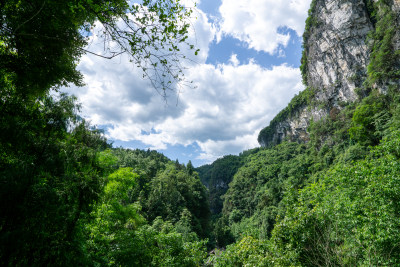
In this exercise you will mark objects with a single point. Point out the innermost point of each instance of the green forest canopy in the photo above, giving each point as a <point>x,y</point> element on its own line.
<point>67,198</point>
<point>41,41</point>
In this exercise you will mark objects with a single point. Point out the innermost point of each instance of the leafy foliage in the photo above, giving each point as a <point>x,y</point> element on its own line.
<point>172,191</point>
<point>359,227</point>
<point>304,98</point>
<point>331,201</point>
<point>247,252</point>
<point>217,177</point>
<point>50,177</point>
<point>59,209</point>
<point>370,120</point>
<point>41,41</point>
<point>310,23</point>
<point>385,60</point>
<point>68,199</point>
<point>119,233</point>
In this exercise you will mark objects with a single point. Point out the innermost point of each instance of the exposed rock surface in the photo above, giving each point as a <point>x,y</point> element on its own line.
<point>396,9</point>
<point>337,55</point>
<point>338,52</point>
<point>293,129</point>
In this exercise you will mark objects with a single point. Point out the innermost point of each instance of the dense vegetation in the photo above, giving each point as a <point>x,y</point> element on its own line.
<point>331,201</point>
<point>152,212</point>
<point>347,215</point>
<point>218,175</point>
<point>67,198</point>
<point>303,99</point>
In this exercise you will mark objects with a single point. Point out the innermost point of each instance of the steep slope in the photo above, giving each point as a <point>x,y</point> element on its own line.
<point>330,197</point>
<point>217,176</point>
<point>341,39</point>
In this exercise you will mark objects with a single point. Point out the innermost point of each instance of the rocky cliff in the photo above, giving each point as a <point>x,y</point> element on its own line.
<point>341,40</point>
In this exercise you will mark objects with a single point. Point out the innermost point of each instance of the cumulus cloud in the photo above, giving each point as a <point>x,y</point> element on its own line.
<point>223,114</point>
<point>231,105</point>
<point>258,22</point>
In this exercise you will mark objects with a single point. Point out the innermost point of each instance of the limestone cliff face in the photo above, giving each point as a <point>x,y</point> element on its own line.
<point>335,59</point>
<point>337,49</point>
<point>396,9</point>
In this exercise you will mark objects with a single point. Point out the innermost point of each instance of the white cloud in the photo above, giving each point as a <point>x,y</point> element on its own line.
<point>223,115</point>
<point>234,60</point>
<point>257,22</point>
<point>231,105</point>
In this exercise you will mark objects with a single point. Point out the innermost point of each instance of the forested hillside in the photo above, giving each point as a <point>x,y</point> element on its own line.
<point>67,197</point>
<point>322,190</point>
<point>217,176</point>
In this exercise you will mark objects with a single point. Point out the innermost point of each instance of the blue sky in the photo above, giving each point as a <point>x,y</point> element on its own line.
<point>246,72</point>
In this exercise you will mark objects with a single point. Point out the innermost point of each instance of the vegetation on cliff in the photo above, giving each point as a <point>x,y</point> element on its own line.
<point>67,198</point>
<point>332,200</point>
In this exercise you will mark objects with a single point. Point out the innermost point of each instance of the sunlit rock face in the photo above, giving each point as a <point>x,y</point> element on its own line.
<point>337,53</point>
<point>396,9</point>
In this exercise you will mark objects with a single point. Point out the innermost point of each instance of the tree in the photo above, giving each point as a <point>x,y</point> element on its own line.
<point>51,169</point>
<point>119,234</point>
<point>190,167</point>
<point>41,41</point>
<point>50,177</point>
<point>347,217</point>
<point>172,191</point>
<point>217,177</point>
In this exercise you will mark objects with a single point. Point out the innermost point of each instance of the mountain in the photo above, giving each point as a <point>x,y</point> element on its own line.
<point>344,44</point>
<point>217,176</point>
<point>323,188</point>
